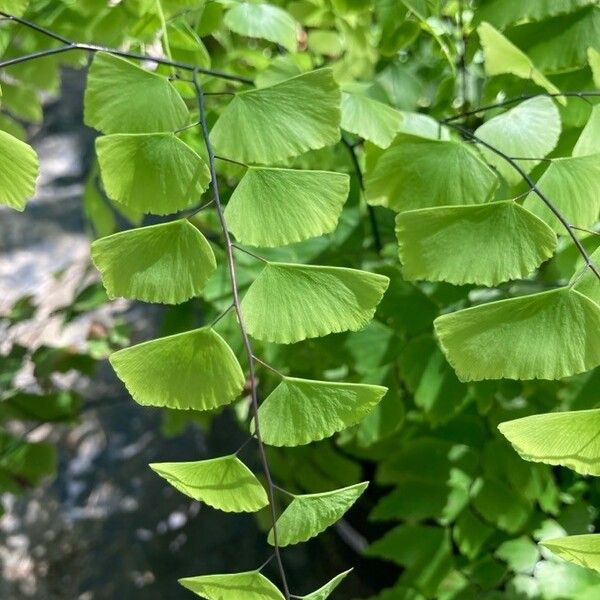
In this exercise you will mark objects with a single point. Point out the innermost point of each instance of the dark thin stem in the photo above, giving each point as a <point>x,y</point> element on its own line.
<point>280,489</point>
<point>534,188</point>
<point>249,253</point>
<point>590,231</point>
<point>186,127</point>
<point>361,184</point>
<point>223,314</point>
<point>71,45</point>
<point>230,160</point>
<point>244,445</point>
<point>509,101</point>
<point>268,366</point>
<point>528,157</point>
<point>242,327</point>
<point>266,562</point>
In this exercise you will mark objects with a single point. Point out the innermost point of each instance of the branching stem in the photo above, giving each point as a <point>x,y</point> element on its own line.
<point>69,45</point>
<point>536,190</point>
<point>242,327</point>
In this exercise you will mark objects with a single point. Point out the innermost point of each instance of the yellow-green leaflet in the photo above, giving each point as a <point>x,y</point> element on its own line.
<point>251,585</point>
<point>289,302</point>
<point>310,514</point>
<point>225,483</point>
<point>192,370</point>
<point>167,263</point>
<point>274,123</point>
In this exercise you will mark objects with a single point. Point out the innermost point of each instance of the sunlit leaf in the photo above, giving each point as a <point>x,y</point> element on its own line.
<point>589,140</point>
<point>251,585</point>
<point>300,411</point>
<point>192,370</point>
<point>586,281</point>
<point>153,173</point>
<point>570,439</point>
<point>276,122</point>
<point>263,21</point>
<point>370,119</point>
<point>123,98</point>
<point>18,171</point>
<point>503,241</point>
<point>275,207</point>
<point>310,514</point>
<point>324,592</point>
<point>583,550</point>
<point>290,302</point>
<point>416,172</point>
<point>502,56</point>
<point>14,7</point>
<point>529,130</point>
<point>167,263</point>
<point>573,186</point>
<point>549,335</point>
<point>225,483</point>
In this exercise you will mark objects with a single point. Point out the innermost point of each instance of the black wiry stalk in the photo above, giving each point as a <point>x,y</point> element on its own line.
<point>361,183</point>
<point>69,45</point>
<point>242,326</point>
<point>536,190</point>
<point>583,95</point>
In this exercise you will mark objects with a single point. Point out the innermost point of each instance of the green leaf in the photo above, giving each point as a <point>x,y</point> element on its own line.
<point>324,592</point>
<point>153,173</point>
<point>594,61</point>
<point>288,302</point>
<point>589,140</point>
<point>583,550</point>
<point>416,172</point>
<point>530,130</point>
<point>585,280</point>
<point>167,263</point>
<point>504,242</point>
<point>192,370</point>
<point>123,98</point>
<point>14,7</point>
<point>251,585</point>
<point>573,186</point>
<point>263,21</point>
<point>502,56</point>
<point>569,439</point>
<point>18,171</point>
<point>501,13</point>
<point>275,207</point>
<point>274,123</point>
<point>370,119</point>
<point>300,411</point>
<point>310,514</point>
<point>225,483</point>
<point>550,335</point>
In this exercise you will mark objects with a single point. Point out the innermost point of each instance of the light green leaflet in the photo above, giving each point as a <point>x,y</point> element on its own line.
<point>153,173</point>
<point>589,140</point>
<point>573,186</point>
<point>263,21</point>
<point>251,585</point>
<point>501,13</point>
<point>416,172</point>
<point>585,280</point>
<point>275,207</point>
<point>18,171</point>
<point>310,514</point>
<point>192,370</point>
<point>582,550</point>
<point>274,123</point>
<point>225,483</point>
<point>300,411</point>
<point>569,439</point>
<point>503,241</point>
<point>123,98</point>
<point>288,303</point>
<point>167,263</point>
<point>550,335</point>
<point>530,130</point>
<point>502,56</point>
<point>594,61</point>
<point>370,119</point>
<point>324,592</point>
<point>14,7</point>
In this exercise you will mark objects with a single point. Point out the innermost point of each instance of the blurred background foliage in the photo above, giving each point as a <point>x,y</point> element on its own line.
<point>453,513</point>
